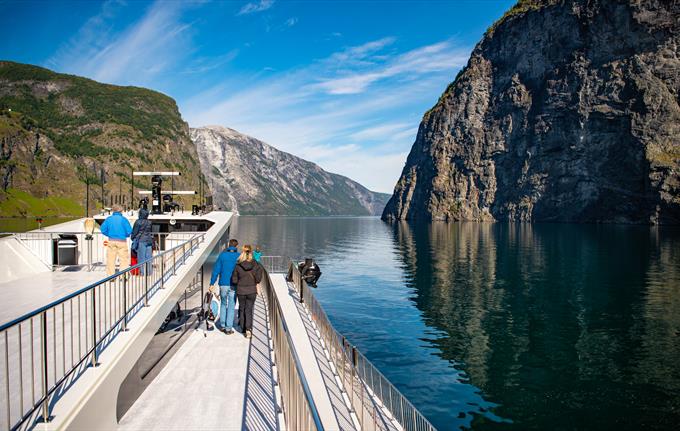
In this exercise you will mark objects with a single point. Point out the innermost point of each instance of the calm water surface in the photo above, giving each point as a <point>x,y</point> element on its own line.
<point>499,326</point>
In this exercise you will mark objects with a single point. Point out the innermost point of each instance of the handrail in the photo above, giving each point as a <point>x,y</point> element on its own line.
<point>299,408</point>
<point>73,331</point>
<point>40,243</point>
<point>129,269</point>
<point>369,391</point>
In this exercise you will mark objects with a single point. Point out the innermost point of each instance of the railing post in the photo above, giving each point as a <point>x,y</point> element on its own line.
<point>125,306</point>
<point>45,368</point>
<point>146,283</point>
<point>184,253</point>
<point>174,262</point>
<point>94,327</point>
<point>302,292</point>
<point>162,271</point>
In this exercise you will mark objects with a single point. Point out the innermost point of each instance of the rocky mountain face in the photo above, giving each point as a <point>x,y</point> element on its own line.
<point>251,177</point>
<point>566,111</point>
<point>57,131</point>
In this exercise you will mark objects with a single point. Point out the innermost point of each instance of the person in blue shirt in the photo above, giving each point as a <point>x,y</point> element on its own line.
<point>117,228</point>
<point>222,270</point>
<point>257,254</point>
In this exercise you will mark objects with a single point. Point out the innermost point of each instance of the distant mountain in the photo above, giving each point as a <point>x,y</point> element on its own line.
<point>252,177</point>
<point>57,130</point>
<point>566,111</point>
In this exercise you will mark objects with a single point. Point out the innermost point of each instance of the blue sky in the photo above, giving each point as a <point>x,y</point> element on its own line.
<point>340,83</point>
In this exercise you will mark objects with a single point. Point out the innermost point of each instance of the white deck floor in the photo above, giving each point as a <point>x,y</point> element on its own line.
<point>224,382</point>
<point>213,382</point>
<point>26,294</point>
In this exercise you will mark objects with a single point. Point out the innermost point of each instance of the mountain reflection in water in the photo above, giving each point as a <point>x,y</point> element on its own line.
<point>504,326</point>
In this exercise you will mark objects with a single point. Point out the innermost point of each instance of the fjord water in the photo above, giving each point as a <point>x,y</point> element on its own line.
<point>504,326</point>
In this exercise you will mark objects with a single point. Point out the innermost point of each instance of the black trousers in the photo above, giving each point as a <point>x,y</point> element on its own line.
<point>246,307</point>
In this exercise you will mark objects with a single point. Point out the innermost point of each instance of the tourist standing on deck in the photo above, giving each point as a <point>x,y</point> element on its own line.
<point>223,270</point>
<point>257,254</point>
<point>246,276</point>
<point>142,239</point>
<point>117,228</point>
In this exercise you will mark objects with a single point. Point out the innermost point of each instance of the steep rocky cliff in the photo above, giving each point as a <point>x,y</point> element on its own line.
<point>251,177</point>
<point>58,130</point>
<point>566,111</point>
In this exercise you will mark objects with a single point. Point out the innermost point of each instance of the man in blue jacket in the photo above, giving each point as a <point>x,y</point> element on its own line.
<point>224,266</point>
<point>118,229</point>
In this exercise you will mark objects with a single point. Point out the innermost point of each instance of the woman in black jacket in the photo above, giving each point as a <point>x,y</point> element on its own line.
<point>142,239</point>
<point>247,274</point>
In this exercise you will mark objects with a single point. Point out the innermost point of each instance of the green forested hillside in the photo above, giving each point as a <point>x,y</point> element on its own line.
<point>56,130</point>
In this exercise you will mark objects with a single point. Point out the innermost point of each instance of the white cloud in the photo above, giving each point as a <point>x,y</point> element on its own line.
<point>92,37</point>
<point>432,58</point>
<point>290,22</point>
<point>206,64</point>
<point>255,7</point>
<point>136,55</point>
<point>365,134</point>
<point>382,130</point>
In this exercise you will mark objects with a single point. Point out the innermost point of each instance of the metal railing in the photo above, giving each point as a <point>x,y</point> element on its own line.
<point>46,350</point>
<point>298,404</point>
<point>374,399</point>
<point>91,248</point>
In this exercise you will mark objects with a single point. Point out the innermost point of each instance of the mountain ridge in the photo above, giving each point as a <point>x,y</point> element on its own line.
<point>268,181</point>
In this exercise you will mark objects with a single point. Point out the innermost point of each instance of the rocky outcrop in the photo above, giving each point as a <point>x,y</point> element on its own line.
<point>248,176</point>
<point>57,131</point>
<point>566,111</point>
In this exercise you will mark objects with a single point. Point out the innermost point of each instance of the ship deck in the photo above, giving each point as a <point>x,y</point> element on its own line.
<point>183,375</point>
<point>222,382</point>
<point>26,294</point>
<point>230,381</point>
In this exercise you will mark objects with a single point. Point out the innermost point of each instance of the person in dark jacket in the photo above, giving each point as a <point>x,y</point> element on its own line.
<point>247,274</point>
<point>142,239</point>
<point>222,271</point>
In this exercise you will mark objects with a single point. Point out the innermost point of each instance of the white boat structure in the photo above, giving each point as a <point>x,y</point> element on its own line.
<point>83,351</point>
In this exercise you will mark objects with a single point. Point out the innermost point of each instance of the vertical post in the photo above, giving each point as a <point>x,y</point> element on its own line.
<point>43,352</point>
<point>94,327</point>
<point>132,188</point>
<point>87,195</point>
<point>302,293</point>
<point>146,283</point>
<point>174,262</point>
<point>202,315</point>
<point>162,256</point>
<point>101,167</point>
<point>125,306</point>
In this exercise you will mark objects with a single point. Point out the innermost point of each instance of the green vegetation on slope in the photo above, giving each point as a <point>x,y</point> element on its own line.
<point>20,203</point>
<point>57,130</point>
<point>147,111</point>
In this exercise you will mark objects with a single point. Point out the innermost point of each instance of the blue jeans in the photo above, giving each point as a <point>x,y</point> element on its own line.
<point>227,305</point>
<point>143,254</point>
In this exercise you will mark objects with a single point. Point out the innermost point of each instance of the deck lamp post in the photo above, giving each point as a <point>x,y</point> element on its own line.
<point>89,231</point>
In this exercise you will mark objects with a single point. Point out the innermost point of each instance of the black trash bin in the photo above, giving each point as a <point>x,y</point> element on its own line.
<point>67,250</point>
